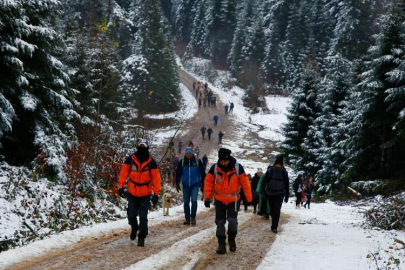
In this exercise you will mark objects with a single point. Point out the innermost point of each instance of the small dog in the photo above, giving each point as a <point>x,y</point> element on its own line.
<point>167,202</point>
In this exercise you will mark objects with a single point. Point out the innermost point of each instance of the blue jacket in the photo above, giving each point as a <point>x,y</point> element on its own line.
<point>190,172</point>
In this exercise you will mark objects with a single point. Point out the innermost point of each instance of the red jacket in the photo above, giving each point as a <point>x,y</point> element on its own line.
<point>227,186</point>
<point>143,178</point>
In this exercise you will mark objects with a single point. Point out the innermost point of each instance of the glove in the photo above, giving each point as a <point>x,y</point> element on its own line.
<point>207,204</point>
<point>155,200</point>
<point>122,193</point>
<point>286,199</point>
<point>178,187</point>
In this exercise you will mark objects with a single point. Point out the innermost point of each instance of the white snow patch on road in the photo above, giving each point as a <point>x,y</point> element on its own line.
<point>336,242</point>
<point>183,249</point>
<point>68,238</point>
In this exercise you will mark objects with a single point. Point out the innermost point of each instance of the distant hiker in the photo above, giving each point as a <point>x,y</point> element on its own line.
<point>214,101</point>
<point>276,179</point>
<point>180,146</point>
<point>199,102</point>
<point>205,101</point>
<point>253,184</point>
<point>225,179</point>
<point>205,161</point>
<point>298,187</point>
<point>226,108</point>
<point>199,85</point>
<point>216,118</point>
<point>231,107</point>
<point>197,151</point>
<point>309,188</point>
<point>203,130</point>
<point>194,85</point>
<point>196,92</point>
<point>209,132</point>
<point>220,136</point>
<point>190,144</point>
<point>206,86</point>
<point>144,177</point>
<point>191,171</point>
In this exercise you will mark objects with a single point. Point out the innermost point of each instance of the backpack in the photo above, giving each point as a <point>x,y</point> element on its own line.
<point>149,169</point>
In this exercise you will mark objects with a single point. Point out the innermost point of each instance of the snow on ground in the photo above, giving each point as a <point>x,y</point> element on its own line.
<point>335,240</point>
<point>189,109</point>
<point>68,238</point>
<point>266,124</point>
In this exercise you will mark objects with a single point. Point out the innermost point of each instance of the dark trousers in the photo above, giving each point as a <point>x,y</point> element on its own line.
<point>223,213</point>
<point>203,135</point>
<point>298,195</point>
<point>263,206</point>
<point>209,136</point>
<point>254,204</point>
<point>275,209</point>
<point>138,206</point>
<point>308,199</point>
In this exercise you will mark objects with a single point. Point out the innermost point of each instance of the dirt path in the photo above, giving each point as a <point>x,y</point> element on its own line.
<point>116,251</point>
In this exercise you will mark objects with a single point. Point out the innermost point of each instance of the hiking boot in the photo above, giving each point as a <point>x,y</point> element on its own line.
<point>132,236</point>
<point>274,230</point>
<point>231,241</point>
<point>305,206</point>
<point>193,221</point>
<point>141,242</point>
<point>308,207</point>
<point>221,246</point>
<point>186,222</point>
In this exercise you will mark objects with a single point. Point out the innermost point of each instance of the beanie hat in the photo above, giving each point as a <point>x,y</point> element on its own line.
<point>143,142</point>
<point>279,160</point>
<point>224,154</point>
<point>259,170</point>
<point>189,150</point>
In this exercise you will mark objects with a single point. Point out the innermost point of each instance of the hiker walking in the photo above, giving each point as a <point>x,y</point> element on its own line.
<point>199,102</point>
<point>253,184</point>
<point>206,86</point>
<point>220,136</point>
<point>194,85</point>
<point>216,118</point>
<point>191,171</point>
<point>144,177</point>
<point>276,179</point>
<point>298,187</point>
<point>263,203</point>
<point>190,144</point>
<point>309,188</point>
<point>226,109</point>
<point>205,101</point>
<point>180,146</point>
<point>203,130</point>
<point>214,101</point>
<point>231,106</point>
<point>225,179</point>
<point>199,85</point>
<point>209,132</point>
<point>205,161</point>
<point>197,151</point>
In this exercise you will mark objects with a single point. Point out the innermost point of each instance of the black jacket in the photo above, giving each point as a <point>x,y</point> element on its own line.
<point>277,182</point>
<point>254,183</point>
<point>297,183</point>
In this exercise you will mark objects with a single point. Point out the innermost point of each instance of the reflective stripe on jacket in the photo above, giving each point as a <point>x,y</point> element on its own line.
<point>143,178</point>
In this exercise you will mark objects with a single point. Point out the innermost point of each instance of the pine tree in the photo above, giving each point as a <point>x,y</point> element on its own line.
<point>301,115</point>
<point>39,97</point>
<point>150,72</point>
<point>336,88</point>
<point>377,148</point>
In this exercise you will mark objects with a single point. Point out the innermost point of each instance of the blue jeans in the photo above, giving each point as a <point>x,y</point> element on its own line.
<point>190,193</point>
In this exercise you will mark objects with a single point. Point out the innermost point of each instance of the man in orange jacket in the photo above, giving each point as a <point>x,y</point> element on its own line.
<point>225,179</point>
<point>144,177</point>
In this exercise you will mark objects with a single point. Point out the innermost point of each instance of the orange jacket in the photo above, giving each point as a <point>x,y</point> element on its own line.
<point>145,174</point>
<point>227,185</point>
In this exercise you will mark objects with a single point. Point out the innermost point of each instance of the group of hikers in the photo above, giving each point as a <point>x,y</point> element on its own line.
<point>229,108</point>
<point>204,95</point>
<point>209,132</point>
<point>226,185</point>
